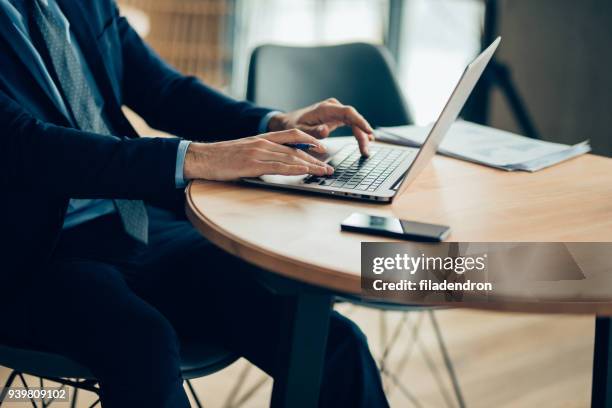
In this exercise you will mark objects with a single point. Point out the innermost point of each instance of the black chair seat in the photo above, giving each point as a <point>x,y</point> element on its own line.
<point>197,360</point>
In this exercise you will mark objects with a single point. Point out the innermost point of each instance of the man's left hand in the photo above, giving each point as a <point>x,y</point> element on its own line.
<point>322,118</point>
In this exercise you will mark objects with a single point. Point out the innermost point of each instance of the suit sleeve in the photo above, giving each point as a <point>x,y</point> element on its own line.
<point>178,104</point>
<point>65,162</point>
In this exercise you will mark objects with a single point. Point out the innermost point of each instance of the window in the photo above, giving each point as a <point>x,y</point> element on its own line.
<point>439,38</point>
<point>303,22</point>
<point>213,39</point>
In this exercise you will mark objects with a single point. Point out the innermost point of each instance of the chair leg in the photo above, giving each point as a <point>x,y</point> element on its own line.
<point>41,385</point>
<point>7,384</point>
<point>395,383</point>
<point>237,386</point>
<point>86,385</point>
<point>383,330</point>
<point>447,360</point>
<point>414,326</point>
<point>193,393</point>
<point>25,385</point>
<point>447,395</point>
<point>251,391</point>
<point>403,390</point>
<point>415,342</point>
<point>75,394</point>
<point>415,338</point>
<point>391,343</point>
<point>95,403</point>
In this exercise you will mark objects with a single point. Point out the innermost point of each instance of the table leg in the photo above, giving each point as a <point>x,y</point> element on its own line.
<point>601,395</point>
<point>301,351</point>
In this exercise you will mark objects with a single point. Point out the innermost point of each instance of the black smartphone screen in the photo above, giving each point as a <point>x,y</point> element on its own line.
<point>395,228</point>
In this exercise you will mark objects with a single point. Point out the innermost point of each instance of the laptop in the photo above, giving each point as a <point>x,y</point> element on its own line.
<point>389,170</point>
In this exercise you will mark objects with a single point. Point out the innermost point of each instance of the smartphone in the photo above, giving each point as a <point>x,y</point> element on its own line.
<point>395,228</point>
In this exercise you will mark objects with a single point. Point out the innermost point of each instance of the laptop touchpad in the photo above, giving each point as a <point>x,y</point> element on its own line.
<point>285,180</point>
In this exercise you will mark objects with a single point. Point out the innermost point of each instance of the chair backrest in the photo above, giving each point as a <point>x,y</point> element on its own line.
<point>357,74</point>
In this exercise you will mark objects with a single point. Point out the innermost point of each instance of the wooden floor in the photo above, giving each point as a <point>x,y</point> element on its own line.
<point>502,360</point>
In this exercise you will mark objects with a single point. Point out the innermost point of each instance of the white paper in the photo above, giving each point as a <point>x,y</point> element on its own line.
<point>489,146</point>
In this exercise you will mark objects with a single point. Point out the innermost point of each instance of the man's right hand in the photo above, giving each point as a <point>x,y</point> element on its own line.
<point>253,157</point>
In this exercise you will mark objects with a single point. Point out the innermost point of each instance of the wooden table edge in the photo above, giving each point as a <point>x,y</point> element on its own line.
<point>335,281</point>
<point>270,261</point>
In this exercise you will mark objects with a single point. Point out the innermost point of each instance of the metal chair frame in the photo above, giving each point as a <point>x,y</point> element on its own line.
<point>77,385</point>
<point>90,384</point>
<point>237,398</point>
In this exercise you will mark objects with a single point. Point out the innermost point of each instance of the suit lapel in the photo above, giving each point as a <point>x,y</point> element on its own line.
<point>78,18</point>
<point>15,40</point>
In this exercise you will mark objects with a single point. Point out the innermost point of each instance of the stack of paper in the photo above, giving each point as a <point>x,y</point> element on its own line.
<point>488,146</point>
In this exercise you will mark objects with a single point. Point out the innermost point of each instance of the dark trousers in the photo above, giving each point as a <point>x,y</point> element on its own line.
<point>120,308</point>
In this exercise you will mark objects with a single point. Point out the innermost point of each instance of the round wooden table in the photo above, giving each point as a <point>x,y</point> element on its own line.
<point>297,237</point>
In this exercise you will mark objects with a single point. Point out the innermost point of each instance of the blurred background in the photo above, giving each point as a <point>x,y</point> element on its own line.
<point>554,50</point>
<point>432,40</point>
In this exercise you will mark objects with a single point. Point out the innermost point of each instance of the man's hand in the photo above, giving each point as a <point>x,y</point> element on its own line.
<point>322,118</point>
<point>253,157</point>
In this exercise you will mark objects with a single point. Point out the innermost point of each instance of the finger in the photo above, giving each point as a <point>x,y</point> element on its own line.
<point>333,100</point>
<point>321,131</point>
<point>318,131</point>
<point>347,115</point>
<point>362,139</point>
<point>303,156</point>
<point>297,158</point>
<point>299,153</point>
<point>294,136</point>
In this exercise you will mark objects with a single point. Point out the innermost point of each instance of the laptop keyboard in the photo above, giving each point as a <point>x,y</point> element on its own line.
<point>352,171</point>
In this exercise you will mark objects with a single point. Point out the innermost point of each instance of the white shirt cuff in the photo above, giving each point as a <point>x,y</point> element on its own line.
<point>263,124</point>
<point>179,177</point>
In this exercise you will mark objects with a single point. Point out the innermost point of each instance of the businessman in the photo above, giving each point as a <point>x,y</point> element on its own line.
<point>98,261</point>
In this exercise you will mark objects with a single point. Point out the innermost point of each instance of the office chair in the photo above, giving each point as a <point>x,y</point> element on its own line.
<point>360,75</point>
<point>198,360</point>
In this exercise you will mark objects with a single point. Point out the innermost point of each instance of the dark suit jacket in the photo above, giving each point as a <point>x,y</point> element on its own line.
<point>44,163</point>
